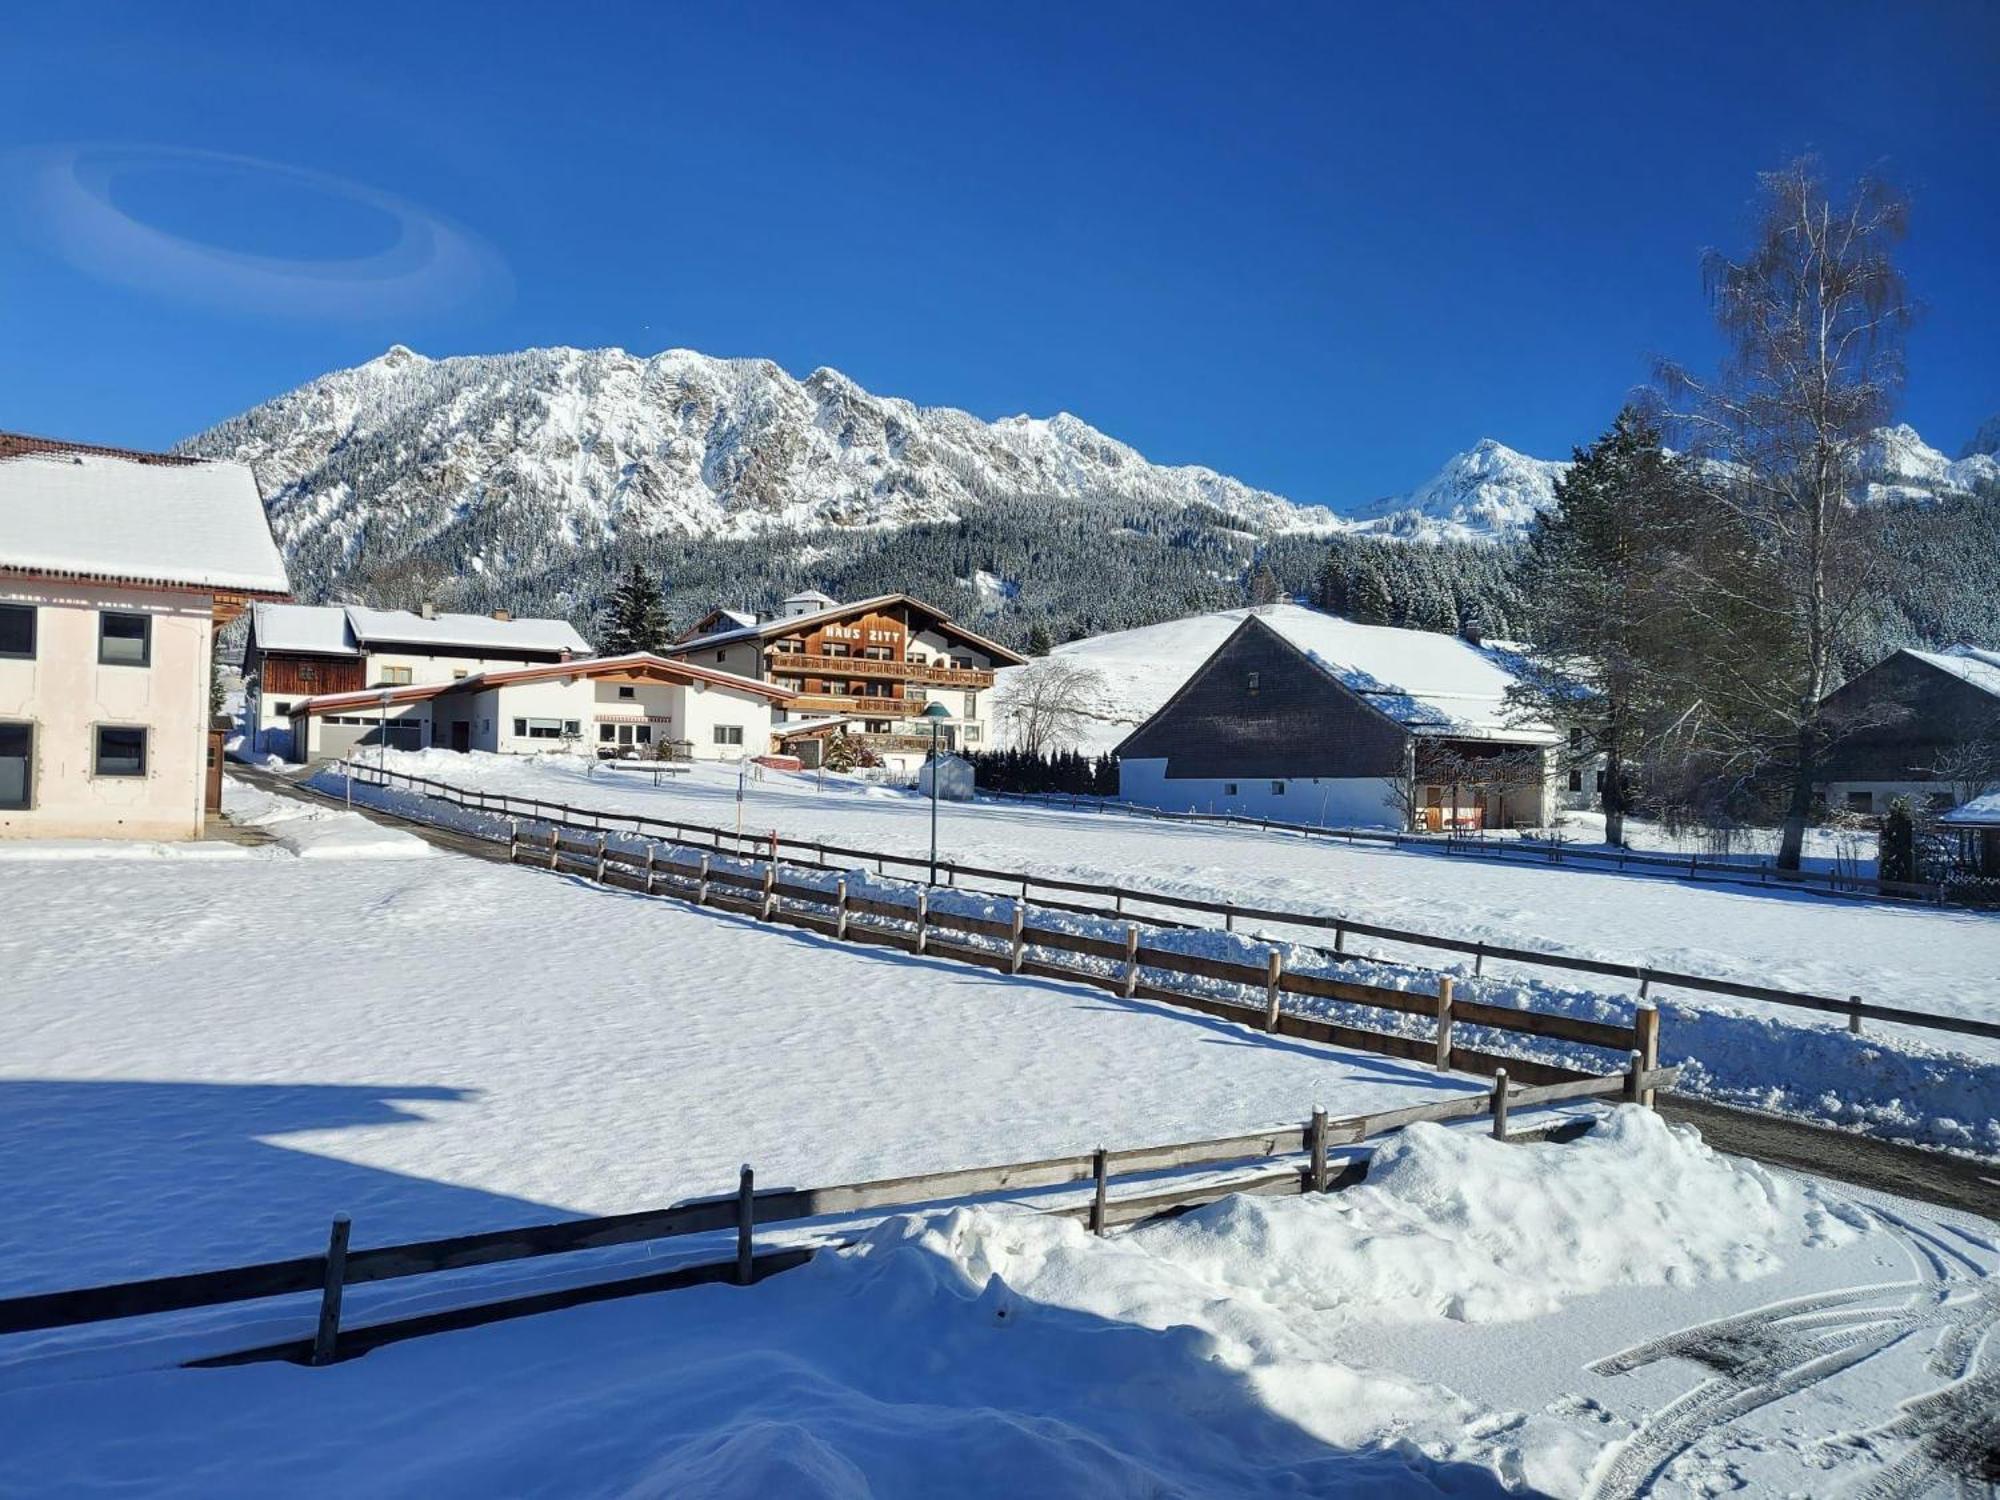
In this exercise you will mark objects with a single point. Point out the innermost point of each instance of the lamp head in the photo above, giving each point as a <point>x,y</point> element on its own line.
<point>935,710</point>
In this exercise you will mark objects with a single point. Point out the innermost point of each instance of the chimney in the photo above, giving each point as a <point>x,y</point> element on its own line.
<point>503,615</point>
<point>429,610</point>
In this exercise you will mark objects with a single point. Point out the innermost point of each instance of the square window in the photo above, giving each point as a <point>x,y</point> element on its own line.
<point>1861,802</point>
<point>606,733</point>
<point>284,710</point>
<point>395,677</point>
<point>120,751</point>
<point>722,656</point>
<point>17,765</point>
<point>459,675</point>
<point>729,734</point>
<point>628,692</point>
<point>1277,789</point>
<point>573,728</point>
<point>520,729</point>
<point>123,639</point>
<point>643,733</point>
<point>1229,789</point>
<point>1576,780</point>
<point>17,630</point>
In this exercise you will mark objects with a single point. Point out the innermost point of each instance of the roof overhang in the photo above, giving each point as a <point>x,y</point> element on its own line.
<point>225,603</point>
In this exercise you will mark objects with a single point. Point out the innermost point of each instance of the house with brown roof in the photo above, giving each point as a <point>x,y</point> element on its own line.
<point>116,569</point>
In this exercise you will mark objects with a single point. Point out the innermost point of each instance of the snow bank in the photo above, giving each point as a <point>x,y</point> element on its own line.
<point>314,832</point>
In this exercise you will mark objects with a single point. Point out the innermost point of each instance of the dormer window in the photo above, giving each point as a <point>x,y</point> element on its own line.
<point>1253,682</point>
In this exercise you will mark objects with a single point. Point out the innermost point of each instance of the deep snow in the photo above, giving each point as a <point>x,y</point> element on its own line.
<point>1478,1319</point>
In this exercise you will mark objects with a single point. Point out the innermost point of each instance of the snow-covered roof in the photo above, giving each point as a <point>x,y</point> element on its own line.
<point>93,514</point>
<point>811,596</point>
<point>1968,663</point>
<point>785,625</point>
<point>584,667</point>
<point>478,631</point>
<point>1427,681</point>
<point>319,629</point>
<point>1980,812</point>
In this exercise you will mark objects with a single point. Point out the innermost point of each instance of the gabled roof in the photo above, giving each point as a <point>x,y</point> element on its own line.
<point>633,664</point>
<point>71,510</point>
<point>1969,664</point>
<point>1980,812</point>
<point>770,629</point>
<point>351,629</point>
<point>1429,682</point>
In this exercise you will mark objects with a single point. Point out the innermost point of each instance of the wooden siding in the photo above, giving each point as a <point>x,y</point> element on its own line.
<point>1896,720</point>
<point>805,659</point>
<point>1296,722</point>
<point>309,676</point>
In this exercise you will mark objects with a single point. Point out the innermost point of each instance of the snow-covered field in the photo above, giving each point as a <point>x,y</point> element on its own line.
<point>1928,1086</point>
<point>1626,1314</point>
<point>208,1056</point>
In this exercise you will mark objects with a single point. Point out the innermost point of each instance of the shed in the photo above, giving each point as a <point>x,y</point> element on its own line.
<point>954,778</point>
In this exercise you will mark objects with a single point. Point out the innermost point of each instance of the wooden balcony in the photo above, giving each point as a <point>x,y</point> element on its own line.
<point>836,703</point>
<point>801,664</point>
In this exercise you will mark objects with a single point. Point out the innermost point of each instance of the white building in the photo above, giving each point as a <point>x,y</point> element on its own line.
<point>634,705</point>
<point>301,651</point>
<point>1304,717</point>
<point>116,568</point>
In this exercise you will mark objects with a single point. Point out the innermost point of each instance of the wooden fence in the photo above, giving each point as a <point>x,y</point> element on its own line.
<point>744,1210</point>
<point>819,854</point>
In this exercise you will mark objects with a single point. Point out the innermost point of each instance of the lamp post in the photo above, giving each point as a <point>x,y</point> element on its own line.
<point>382,737</point>
<point>937,713</point>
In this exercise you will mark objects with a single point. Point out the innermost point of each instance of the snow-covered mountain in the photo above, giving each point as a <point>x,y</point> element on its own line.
<point>502,458</point>
<point>1487,491</point>
<point>1899,465</point>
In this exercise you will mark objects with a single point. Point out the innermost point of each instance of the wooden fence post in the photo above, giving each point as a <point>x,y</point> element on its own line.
<point>652,850</point>
<point>1228,919</point>
<point>1854,1014</point>
<point>1014,958</point>
<point>1632,1076</point>
<point>1339,937</point>
<point>1500,1104</point>
<point>1444,1024</point>
<point>923,919</point>
<point>1647,1023</point>
<point>600,857</point>
<point>701,889</point>
<point>513,840</point>
<point>1317,1137</point>
<point>1099,1165</point>
<point>770,890</point>
<point>326,1338</point>
<point>1274,970</point>
<point>1131,959</point>
<point>1478,959</point>
<point>746,1219</point>
<point>554,834</point>
<point>840,909</point>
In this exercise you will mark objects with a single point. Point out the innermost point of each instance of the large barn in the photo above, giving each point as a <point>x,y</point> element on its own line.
<point>1305,717</point>
<point>1921,725</point>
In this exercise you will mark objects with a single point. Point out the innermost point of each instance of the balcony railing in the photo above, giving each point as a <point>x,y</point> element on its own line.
<point>802,664</point>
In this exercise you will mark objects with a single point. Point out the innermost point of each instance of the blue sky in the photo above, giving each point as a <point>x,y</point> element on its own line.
<point>1320,247</point>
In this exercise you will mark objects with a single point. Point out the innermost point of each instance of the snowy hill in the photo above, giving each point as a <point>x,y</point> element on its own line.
<point>1485,492</point>
<point>508,460</point>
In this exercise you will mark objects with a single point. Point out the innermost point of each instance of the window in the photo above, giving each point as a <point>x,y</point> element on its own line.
<point>722,656</point>
<point>1576,779</point>
<point>543,729</point>
<point>459,675</point>
<point>876,726</point>
<point>284,710</point>
<point>1253,682</point>
<point>124,640</point>
<point>395,677</point>
<point>606,733</point>
<point>972,705</point>
<point>1861,802</point>
<point>1940,802</point>
<point>729,734</point>
<point>628,692</point>
<point>1229,789</point>
<point>573,728</point>
<point>17,630</point>
<point>120,751</point>
<point>1277,789</point>
<point>971,733</point>
<point>17,765</point>
<point>643,733</point>
<point>1576,739</point>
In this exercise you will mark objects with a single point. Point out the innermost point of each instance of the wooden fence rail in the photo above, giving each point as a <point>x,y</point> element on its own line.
<point>816,854</point>
<point>744,1211</point>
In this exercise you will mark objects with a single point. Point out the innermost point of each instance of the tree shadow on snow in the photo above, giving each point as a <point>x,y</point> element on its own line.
<point>115,1180</point>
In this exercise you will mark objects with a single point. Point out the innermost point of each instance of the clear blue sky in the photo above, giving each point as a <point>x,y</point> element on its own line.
<point>1320,247</point>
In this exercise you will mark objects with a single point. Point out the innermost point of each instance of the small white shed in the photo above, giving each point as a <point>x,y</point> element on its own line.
<point>954,778</point>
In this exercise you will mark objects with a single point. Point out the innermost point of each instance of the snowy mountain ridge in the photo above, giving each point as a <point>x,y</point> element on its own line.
<point>515,461</point>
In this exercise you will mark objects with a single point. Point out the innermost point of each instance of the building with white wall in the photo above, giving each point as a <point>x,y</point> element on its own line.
<point>876,663</point>
<point>1304,717</point>
<point>116,569</point>
<point>301,651</point>
<point>636,705</point>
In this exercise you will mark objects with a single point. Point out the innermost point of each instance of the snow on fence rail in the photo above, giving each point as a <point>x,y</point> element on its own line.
<point>1542,851</point>
<point>1648,978</point>
<point>747,1208</point>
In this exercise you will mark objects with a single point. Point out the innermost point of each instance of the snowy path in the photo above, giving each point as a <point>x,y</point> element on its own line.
<point>206,1057</point>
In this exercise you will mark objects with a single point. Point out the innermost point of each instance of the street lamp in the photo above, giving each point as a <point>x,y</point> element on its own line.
<point>937,713</point>
<point>382,736</point>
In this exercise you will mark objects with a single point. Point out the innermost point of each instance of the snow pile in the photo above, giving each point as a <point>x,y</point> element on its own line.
<point>314,832</point>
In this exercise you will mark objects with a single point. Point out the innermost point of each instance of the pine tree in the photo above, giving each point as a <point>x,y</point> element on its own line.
<point>1370,600</point>
<point>1263,585</point>
<point>1039,643</point>
<point>636,618</point>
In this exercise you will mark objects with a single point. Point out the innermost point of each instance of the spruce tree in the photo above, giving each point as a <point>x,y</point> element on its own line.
<point>1370,600</point>
<point>636,618</point>
<point>1038,640</point>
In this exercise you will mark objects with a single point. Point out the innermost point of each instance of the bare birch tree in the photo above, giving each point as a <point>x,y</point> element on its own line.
<point>1814,317</point>
<point>1051,703</point>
